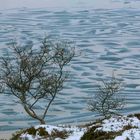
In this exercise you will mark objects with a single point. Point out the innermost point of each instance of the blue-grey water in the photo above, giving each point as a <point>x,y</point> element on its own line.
<point>106,40</point>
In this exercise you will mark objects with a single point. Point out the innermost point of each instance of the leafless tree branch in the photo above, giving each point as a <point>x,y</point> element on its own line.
<point>34,75</point>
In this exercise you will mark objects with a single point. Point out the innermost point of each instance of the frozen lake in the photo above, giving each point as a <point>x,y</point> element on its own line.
<point>107,34</point>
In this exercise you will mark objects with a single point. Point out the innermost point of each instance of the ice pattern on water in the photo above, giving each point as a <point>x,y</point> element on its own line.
<point>107,40</point>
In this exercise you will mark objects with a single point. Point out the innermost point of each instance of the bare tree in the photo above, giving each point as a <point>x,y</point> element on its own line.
<point>107,101</point>
<point>35,76</point>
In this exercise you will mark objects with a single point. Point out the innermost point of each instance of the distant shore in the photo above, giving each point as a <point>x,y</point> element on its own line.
<point>66,5</point>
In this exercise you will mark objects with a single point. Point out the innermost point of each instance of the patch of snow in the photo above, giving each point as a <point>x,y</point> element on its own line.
<point>76,134</point>
<point>132,134</point>
<point>115,124</point>
<point>27,136</point>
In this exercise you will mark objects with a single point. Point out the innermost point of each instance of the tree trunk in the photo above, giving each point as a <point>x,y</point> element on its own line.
<point>42,121</point>
<point>34,115</point>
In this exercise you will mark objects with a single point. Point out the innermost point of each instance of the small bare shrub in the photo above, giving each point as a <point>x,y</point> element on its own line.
<point>108,99</point>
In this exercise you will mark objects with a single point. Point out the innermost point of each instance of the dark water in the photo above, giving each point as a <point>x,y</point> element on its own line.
<point>108,40</point>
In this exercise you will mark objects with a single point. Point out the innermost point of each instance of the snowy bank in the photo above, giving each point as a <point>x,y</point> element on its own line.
<point>55,133</point>
<point>114,128</point>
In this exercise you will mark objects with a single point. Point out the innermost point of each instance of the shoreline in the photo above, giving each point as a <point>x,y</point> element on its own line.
<point>6,135</point>
<point>115,128</point>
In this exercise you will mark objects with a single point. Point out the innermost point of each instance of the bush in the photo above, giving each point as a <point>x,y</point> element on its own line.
<point>108,100</point>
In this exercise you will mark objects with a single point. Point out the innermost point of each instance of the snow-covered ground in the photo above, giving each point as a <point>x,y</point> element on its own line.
<point>119,124</point>
<point>129,127</point>
<point>75,132</point>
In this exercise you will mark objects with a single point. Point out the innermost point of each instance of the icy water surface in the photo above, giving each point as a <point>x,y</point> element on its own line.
<point>107,40</point>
